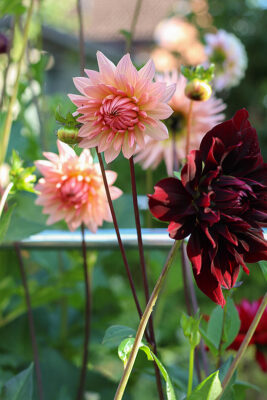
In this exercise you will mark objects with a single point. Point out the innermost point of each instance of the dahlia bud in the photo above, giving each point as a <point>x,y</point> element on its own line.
<point>4,44</point>
<point>68,135</point>
<point>198,90</point>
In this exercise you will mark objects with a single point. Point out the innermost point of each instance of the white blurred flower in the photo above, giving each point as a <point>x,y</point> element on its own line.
<point>228,54</point>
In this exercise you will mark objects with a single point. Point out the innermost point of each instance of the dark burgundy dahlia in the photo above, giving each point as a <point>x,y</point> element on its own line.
<point>221,202</point>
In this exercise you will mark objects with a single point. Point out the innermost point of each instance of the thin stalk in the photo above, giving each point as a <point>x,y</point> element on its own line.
<point>81,36</point>
<point>193,298</point>
<point>174,152</point>
<point>222,337</point>
<point>144,272</point>
<point>184,274</point>
<point>144,321</point>
<point>7,66</point>
<point>4,197</point>
<point>87,327</point>
<point>149,187</point>
<point>8,120</point>
<point>189,124</point>
<point>31,323</point>
<point>116,226</point>
<point>137,9</point>
<point>244,344</point>
<point>191,370</point>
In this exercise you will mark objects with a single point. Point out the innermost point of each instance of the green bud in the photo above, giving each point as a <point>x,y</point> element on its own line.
<point>198,90</point>
<point>68,135</point>
<point>190,326</point>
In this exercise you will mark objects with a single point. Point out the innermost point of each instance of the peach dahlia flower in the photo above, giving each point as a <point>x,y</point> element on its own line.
<point>72,189</point>
<point>120,106</point>
<point>205,115</point>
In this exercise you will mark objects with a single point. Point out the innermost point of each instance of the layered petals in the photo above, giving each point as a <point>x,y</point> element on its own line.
<point>72,189</point>
<point>221,202</point>
<point>119,102</point>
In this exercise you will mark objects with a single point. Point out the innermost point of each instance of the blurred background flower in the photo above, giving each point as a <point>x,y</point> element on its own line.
<point>228,54</point>
<point>205,115</point>
<point>247,311</point>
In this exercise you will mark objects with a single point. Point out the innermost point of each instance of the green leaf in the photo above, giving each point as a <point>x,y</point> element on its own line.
<point>209,389</point>
<point>14,7</point>
<point>115,334</point>
<point>124,351</point>
<point>209,342</point>
<point>215,325</point>
<point>199,72</point>
<point>231,325</point>
<point>127,35</point>
<point>263,266</point>
<point>20,387</point>
<point>5,221</point>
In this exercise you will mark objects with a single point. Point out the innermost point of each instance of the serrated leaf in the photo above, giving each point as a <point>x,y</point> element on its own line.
<point>209,389</point>
<point>115,334</point>
<point>263,267</point>
<point>20,387</point>
<point>124,351</point>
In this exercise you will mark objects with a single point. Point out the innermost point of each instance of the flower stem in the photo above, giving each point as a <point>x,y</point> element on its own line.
<point>31,322</point>
<point>144,321</point>
<point>222,337</point>
<point>88,302</point>
<point>4,197</point>
<point>189,124</point>
<point>8,121</point>
<point>144,272</point>
<point>245,343</point>
<point>133,25</point>
<point>191,370</point>
<point>116,226</point>
<point>193,299</point>
<point>81,36</point>
<point>8,63</point>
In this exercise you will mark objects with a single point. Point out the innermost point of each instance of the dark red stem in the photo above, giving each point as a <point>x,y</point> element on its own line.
<point>31,323</point>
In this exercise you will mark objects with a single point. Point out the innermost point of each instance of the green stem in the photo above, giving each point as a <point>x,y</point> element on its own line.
<point>191,370</point>
<point>4,197</point>
<point>188,132</point>
<point>133,25</point>
<point>222,336</point>
<point>8,121</point>
<point>144,321</point>
<point>245,343</point>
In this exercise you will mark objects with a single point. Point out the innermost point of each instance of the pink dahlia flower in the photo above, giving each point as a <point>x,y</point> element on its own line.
<point>205,115</point>
<point>72,189</point>
<point>120,106</point>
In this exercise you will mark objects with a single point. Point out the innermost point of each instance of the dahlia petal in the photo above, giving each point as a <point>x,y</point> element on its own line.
<point>159,132</point>
<point>77,99</point>
<point>65,151</point>
<point>111,154</point>
<point>194,252</point>
<point>106,67</point>
<point>89,143</point>
<point>115,193</point>
<point>81,83</point>
<point>169,92</point>
<point>111,177</point>
<point>148,71</point>
<point>127,150</point>
<point>94,76</point>
<point>44,166</point>
<point>125,67</point>
<point>161,111</point>
<point>180,231</point>
<point>86,158</point>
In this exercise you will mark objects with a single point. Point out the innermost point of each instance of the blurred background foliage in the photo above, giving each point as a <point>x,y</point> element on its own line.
<point>55,277</point>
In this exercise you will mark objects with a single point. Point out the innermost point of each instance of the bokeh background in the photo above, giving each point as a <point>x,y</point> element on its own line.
<point>55,277</point>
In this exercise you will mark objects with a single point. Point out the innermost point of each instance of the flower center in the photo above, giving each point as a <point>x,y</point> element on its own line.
<point>74,191</point>
<point>119,113</point>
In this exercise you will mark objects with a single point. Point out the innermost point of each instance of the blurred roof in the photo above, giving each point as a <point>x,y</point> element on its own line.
<point>105,18</point>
